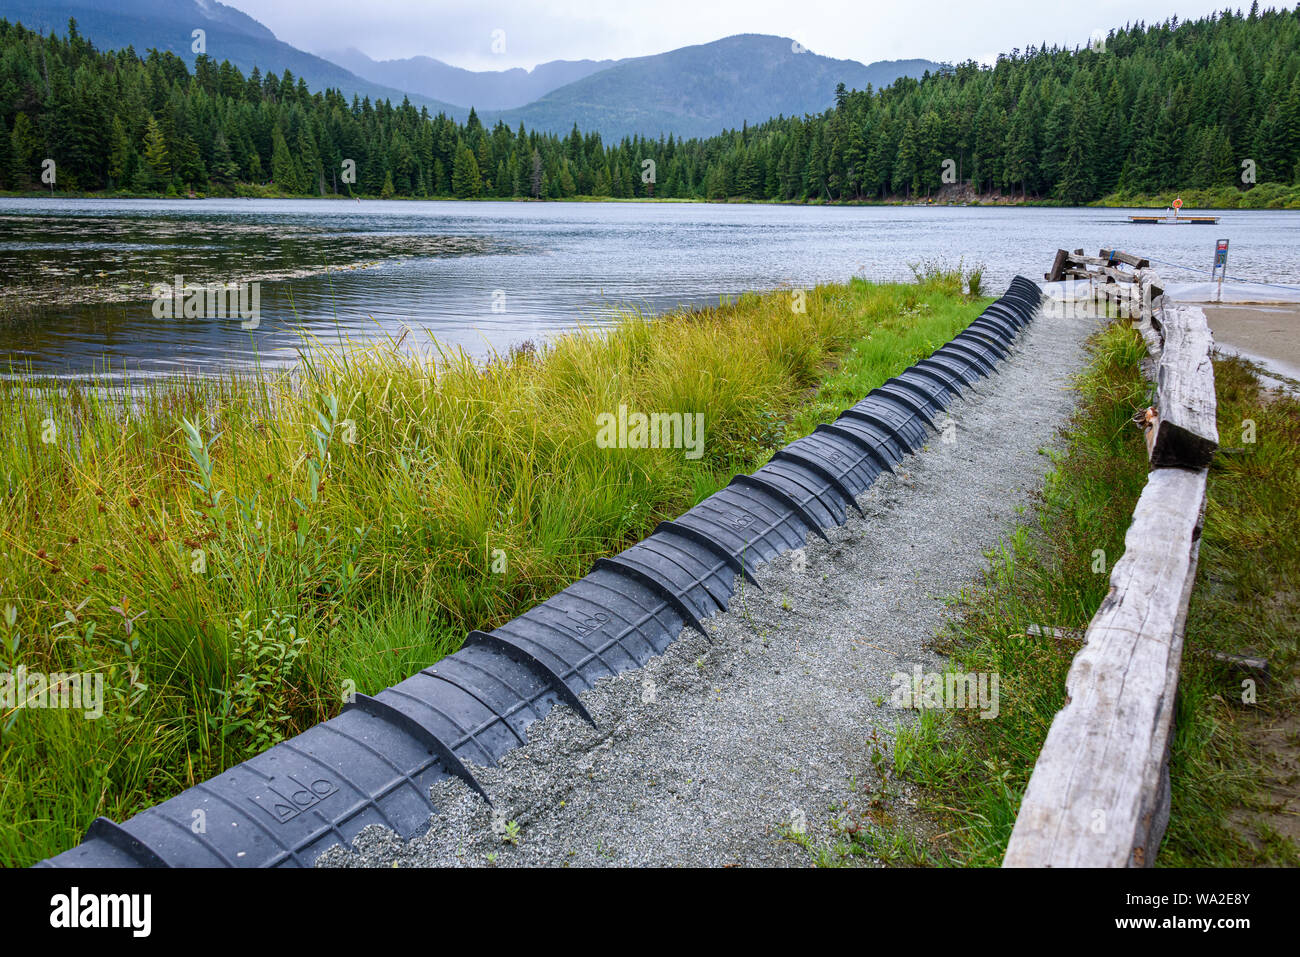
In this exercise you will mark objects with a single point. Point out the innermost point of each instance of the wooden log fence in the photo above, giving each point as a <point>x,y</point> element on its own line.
<point>1099,792</point>
<point>1109,281</point>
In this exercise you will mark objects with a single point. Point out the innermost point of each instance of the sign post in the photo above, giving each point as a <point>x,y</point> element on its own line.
<point>1220,264</point>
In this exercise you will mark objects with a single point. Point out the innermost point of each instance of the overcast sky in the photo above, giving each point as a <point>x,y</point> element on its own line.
<point>533,31</point>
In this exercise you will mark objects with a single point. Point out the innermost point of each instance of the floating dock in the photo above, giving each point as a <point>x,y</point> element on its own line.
<point>1204,220</point>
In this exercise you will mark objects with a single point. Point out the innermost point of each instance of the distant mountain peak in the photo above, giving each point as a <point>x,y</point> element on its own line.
<point>692,91</point>
<point>482,89</point>
<point>703,89</point>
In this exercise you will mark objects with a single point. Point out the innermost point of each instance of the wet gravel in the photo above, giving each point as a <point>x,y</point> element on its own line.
<point>714,752</point>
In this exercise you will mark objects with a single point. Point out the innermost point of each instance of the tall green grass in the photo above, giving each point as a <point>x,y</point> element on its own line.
<point>1225,781</point>
<point>235,555</point>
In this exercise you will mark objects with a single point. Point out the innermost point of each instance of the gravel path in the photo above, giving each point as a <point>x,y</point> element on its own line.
<point>709,753</point>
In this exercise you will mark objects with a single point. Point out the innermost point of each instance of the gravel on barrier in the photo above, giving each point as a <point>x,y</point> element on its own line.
<point>713,752</point>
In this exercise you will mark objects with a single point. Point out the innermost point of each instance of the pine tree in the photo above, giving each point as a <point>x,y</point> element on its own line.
<point>715,187</point>
<point>483,158</point>
<point>906,162</point>
<point>119,153</point>
<point>1078,182</point>
<point>748,182</point>
<point>26,148</point>
<point>156,158</point>
<point>283,173</point>
<point>254,164</point>
<point>814,176</point>
<point>308,161</point>
<point>466,182</point>
<point>6,157</point>
<point>1019,168</point>
<point>570,188</point>
<point>515,171</point>
<point>224,168</point>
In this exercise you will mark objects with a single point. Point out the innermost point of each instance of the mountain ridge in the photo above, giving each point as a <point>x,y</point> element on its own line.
<point>167,25</point>
<point>744,78</point>
<point>698,90</point>
<point>481,89</point>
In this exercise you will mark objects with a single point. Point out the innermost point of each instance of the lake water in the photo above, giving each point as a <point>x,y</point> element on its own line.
<point>76,275</point>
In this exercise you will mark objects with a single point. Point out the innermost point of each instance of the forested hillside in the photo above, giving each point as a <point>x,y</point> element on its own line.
<point>230,34</point>
<point>1159,107</point>
<point>700,90</point>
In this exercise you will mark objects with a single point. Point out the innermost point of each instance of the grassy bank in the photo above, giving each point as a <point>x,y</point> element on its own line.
<point>1229,762</point>
<point>229,554</point>
<point>1263,196</point>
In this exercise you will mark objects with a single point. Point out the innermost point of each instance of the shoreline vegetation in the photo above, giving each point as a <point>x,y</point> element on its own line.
<point>1235,731</point>
<point>1271,196</point>
<point>233,556</point>
<point>1264,196</point>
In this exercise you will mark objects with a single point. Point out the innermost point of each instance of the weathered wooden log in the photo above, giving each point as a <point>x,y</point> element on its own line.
<point>1150,283</point>
<point>1102,265</point>
<point>1057,272</point>
<point>1152,313</point>
<point>1117,290</point>
<point>1128,259</point>
<point>1093,272</point>
<point>1127,299</point>
<point>1099,793</point>
<point>1067,635</point>
<point>1184,432</point>
<point>1249,665</point>
<point>1117,275</point>
<point>1154,346</point>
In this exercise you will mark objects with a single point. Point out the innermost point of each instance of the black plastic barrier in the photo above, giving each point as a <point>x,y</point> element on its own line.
<point>375,762</point>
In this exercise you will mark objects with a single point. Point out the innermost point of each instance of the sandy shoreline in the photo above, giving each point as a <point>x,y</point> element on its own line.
<point>1269,334</point>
